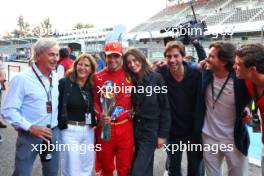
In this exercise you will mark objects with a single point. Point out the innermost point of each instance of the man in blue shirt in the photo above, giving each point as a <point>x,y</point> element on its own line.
<point>30,107</point>
<point>100,62</point>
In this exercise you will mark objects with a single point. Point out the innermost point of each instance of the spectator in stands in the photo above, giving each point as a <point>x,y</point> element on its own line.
<point>65,60</point>
<point>182,80</point>
<point>102,56</point>
<point>219,111</point>
<point>71,55</point>
<point>76,116</point>
<point>100,62</point>
<point>151,111</point>
<point>249,65</point>
<point>31,107</point>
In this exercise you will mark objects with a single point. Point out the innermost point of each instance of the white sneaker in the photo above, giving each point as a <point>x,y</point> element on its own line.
<point>165,173</point>
<point>1,139</point>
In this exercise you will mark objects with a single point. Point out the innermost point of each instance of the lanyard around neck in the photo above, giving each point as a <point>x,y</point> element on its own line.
<point>85,95</point>
<point>48,93</point>
<point>221,90</point>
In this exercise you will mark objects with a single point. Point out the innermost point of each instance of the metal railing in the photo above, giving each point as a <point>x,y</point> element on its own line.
<point>9,68</point>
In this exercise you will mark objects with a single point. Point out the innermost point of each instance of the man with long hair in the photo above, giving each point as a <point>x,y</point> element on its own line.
<point>221,101</point>
<point>182,79</point>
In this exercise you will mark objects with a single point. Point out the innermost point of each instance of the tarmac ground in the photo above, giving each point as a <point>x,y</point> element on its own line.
<point>7,152</point>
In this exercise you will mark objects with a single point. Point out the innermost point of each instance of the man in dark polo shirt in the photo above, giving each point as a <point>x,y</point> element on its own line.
<point>182,79</point>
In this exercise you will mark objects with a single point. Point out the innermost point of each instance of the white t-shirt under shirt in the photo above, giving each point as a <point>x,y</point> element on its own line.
<point>219,122</point>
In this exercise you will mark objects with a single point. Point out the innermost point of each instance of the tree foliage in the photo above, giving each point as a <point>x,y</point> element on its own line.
<point>83,25</point>
<point>46,27</point>
<point>23,28</point>
<point>43,29</point>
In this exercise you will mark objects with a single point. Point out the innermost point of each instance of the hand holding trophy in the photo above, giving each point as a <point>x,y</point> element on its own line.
<point>107,101</point>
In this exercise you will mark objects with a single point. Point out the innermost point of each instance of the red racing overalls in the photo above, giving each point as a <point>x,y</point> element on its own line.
<point>121,144</point>
<point>260,104</point>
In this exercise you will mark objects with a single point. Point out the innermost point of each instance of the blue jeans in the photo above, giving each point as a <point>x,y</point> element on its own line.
<point>26,155</point>
<point>195,158</point>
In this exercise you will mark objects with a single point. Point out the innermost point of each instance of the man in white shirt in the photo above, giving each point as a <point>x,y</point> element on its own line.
<point>30,107</point>
<point>219,113</point>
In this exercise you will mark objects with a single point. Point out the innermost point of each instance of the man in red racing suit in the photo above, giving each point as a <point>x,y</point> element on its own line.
<point>249,65</point>
<point>121,143</point>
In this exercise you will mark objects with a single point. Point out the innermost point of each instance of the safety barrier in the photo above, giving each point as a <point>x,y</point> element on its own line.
<point>11,68</point>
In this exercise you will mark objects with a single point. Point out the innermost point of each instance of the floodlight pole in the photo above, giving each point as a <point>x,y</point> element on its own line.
<point>150,49</point>
<point>120,37</point>
<point>134,39</point>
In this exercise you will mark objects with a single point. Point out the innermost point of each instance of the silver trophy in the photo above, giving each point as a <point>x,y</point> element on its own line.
<point>107,101</point>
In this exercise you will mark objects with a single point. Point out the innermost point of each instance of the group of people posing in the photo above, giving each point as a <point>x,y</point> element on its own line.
<point>201,104</point>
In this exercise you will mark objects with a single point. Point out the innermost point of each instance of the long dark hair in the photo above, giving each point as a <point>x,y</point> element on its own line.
<point>72,73</point>
<point>139,55</point>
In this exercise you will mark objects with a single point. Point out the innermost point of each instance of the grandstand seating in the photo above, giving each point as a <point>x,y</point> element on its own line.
<point>241,16</point>
<point>214,5</point>
<point>214,12</point>
<point>260,17</point>
<point>216,18</point>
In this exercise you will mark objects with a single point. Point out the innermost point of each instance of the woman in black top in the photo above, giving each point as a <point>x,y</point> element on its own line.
<point>151,107</point>
<point>76,117</point>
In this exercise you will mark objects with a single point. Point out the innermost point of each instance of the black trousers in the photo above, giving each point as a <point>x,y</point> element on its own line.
<point>195,158</point>
<point>145,132</point>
